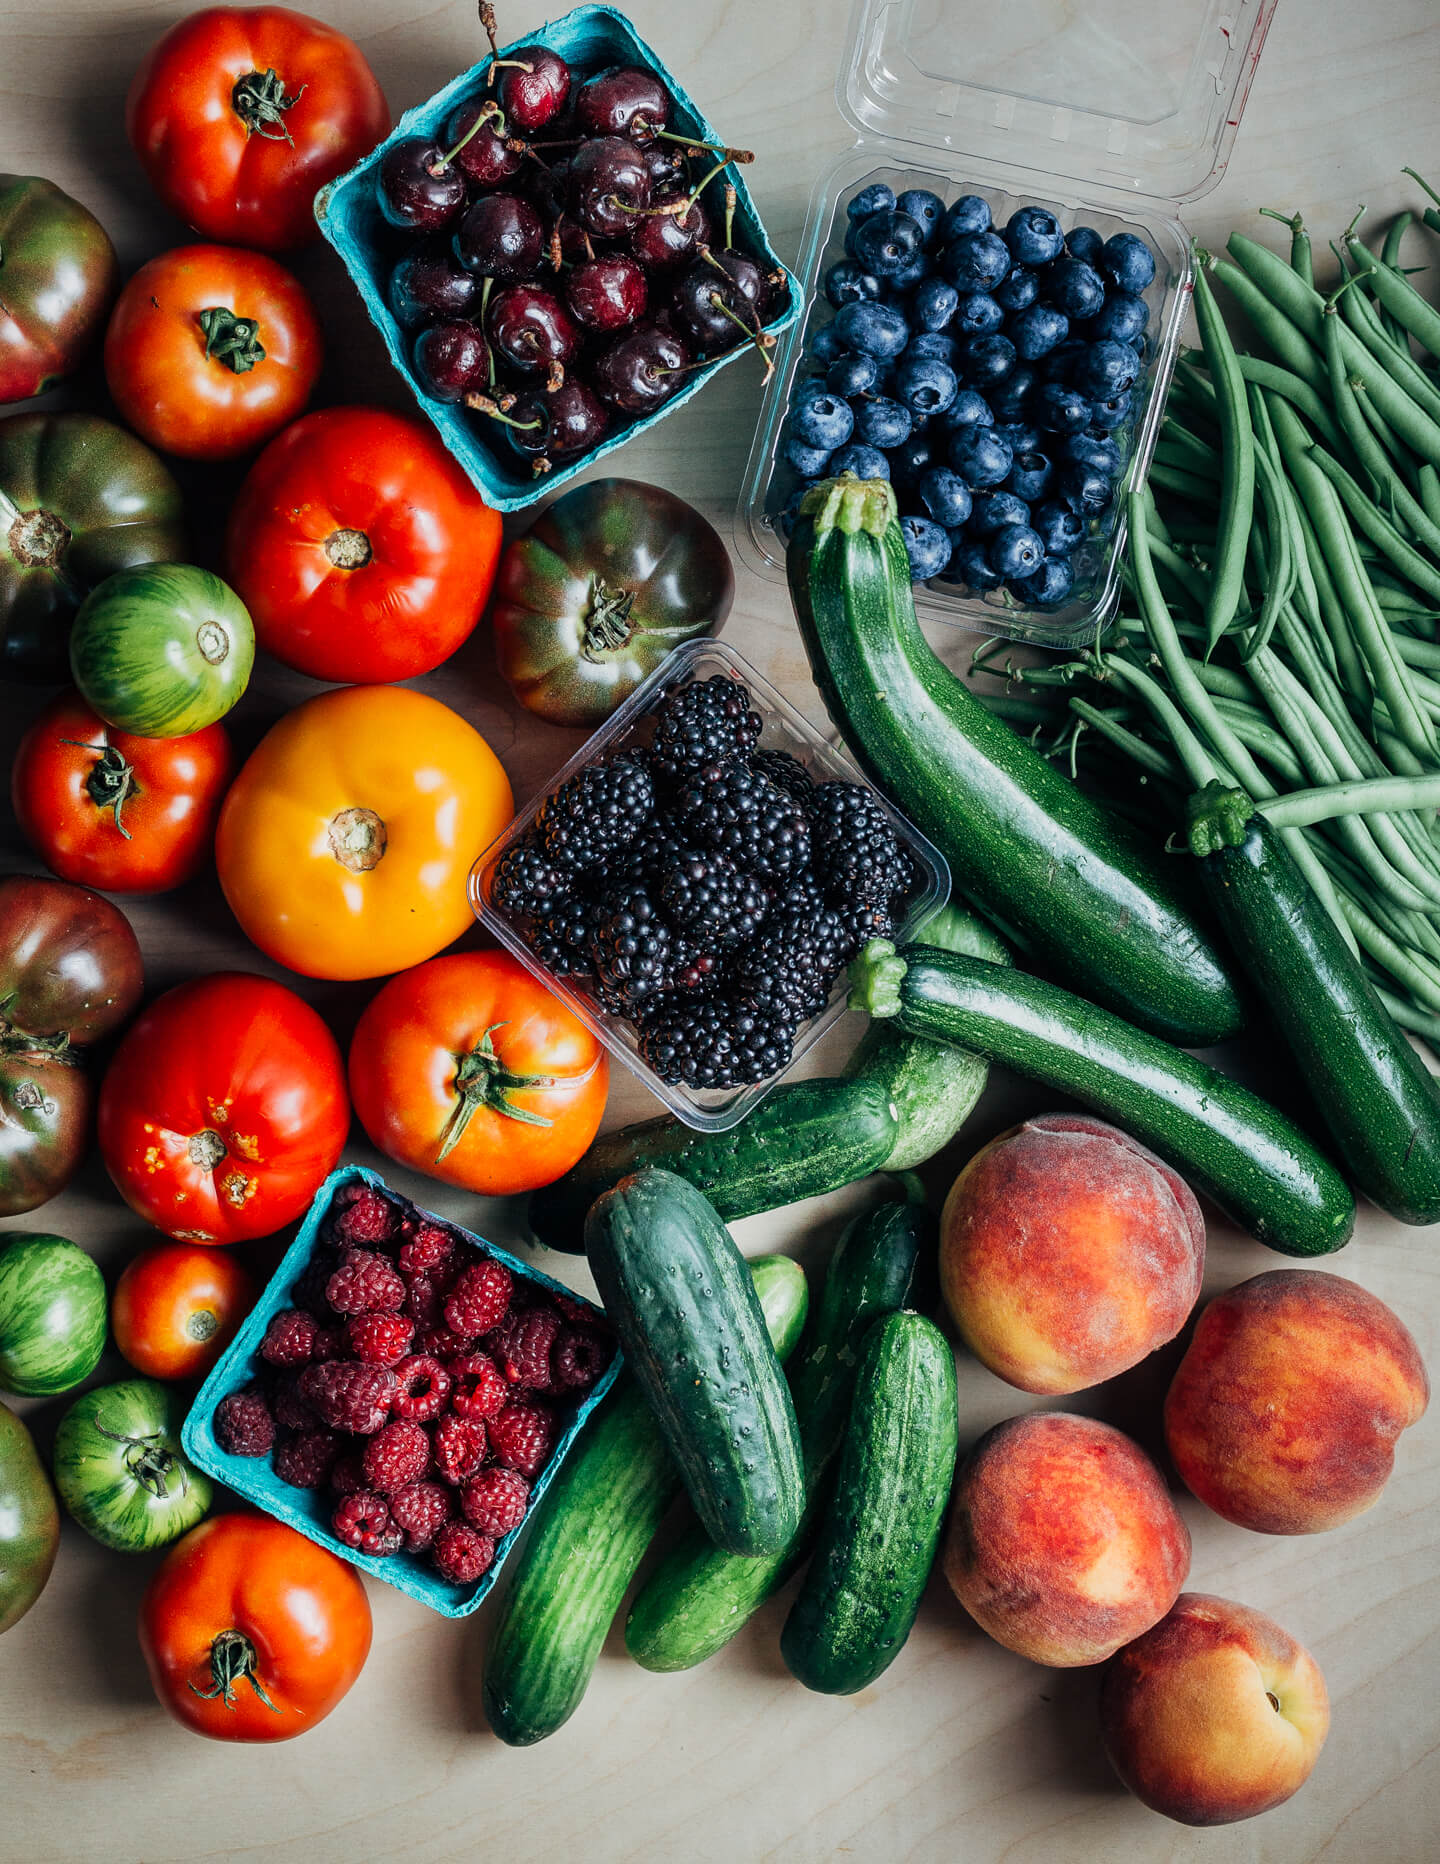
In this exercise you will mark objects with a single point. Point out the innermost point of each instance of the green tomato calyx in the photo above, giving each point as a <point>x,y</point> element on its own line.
<point>230,340</point>
<point>111,781</point>
<point>259,100</point>
<point>607,626</point>
<point>149,1461</point>
<point>232,1661</point>
<point>483,1080</point>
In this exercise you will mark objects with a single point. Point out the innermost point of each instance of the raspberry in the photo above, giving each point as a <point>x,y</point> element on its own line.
<point>578,1311</point>
<point>458,1446</point>
<point>291,1410</point>
<point>364,1283</point>
<point>365,1217</point>
<point>347,1476</point>
<point>364,1522</point>
<point>521,1346</point>
<point>305,1460</point>
<point>243,1424</point>
<point>422,1388</point>
<point>421,1509</point>
<point>425,1247</point>
<point>522,1437</point>
<point>424,1302</point>
<point>309,1289</point>
<point>349,1396</point>
<point>379,1339</point>
<point>461,1554</point>
<point>441,1343</point>
<point>397,1455</point>
<point>478,1389</point>
<point>495,1501</point>
<point>290,1338</point>
<point>579,1356</point>
<point>479,1298</point>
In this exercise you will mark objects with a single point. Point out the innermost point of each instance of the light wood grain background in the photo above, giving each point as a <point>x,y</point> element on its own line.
<point>961,1751</point>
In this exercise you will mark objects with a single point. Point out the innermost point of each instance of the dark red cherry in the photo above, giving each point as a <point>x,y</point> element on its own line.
<point>743,272</point>
<point>606,293</point>
<point>531,328</point>
<point>662,241</point>
<point>623,100</point>
<point>642,369</point>
<point>429,283</point>
<point>501,236</point>
<point>417,187</point>
<point>577,421</point>
<point>710,307</point>
<point>534,85</point>
<point>609,186</point>
<point>666,164</point>
<point>451,361</point>
<point>488,158</point>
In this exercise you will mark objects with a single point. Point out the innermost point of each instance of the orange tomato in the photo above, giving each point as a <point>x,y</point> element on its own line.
<point>176,1308</point>
<point>469,1069</point>
<point>345,844</point>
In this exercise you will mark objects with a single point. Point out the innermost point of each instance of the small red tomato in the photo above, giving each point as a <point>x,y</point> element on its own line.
<point>176,1308</point>
<point>106,809</point>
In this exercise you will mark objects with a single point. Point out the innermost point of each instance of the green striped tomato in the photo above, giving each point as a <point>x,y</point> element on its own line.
<point>119,1467</point>
<point>29,1521</point>
<point>52,1313</point>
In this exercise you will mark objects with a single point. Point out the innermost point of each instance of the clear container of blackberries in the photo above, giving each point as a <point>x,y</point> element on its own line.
<point>695,881</point>
<point>558,249</point>
<point>997,278</point>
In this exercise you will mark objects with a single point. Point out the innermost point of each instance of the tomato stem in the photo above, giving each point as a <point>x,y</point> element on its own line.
<point>111,782</point>
<point>232,1661</point>
<point>260,101</point>
<point>231,340</point>
<point>607,626</point>
<point>483,1080</point>
<point>148,1461</point>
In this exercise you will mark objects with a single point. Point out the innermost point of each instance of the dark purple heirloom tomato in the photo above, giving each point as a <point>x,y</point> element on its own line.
<point>58,276</point>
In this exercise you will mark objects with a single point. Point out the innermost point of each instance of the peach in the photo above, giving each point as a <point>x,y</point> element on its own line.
<point>1214,1714</point>
<point>1063,1542</point>
<point>1068,1252</point>
<point>1283,1414</point>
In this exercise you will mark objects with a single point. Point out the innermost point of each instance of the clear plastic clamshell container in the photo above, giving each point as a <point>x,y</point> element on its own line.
<point>1113,114</point>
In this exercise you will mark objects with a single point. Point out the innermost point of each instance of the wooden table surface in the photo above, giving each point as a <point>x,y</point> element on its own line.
<point>961,1750</point>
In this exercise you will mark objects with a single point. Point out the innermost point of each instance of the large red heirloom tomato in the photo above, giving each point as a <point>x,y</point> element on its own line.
<point>224,1109</point>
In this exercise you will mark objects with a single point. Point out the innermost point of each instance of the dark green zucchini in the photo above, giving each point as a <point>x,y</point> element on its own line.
<point>695,1340</point>
<point>877,1539</point>
<point>1378,1100</point>
<point>590,1532</point>
<point>808,1137</point>
<point>698,1596</point>
<point>1225,1141</point>
<point>1066,881</point>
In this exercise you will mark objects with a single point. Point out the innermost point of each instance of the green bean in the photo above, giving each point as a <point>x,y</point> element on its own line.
<point>1390,253</point>
<point>1278,577</point>
<point>1299,393</point>
<point>1257,734</point>
<point>1303,808</point>
<point>1408,1017</point>
<point>1389,396</point>
<point>1284,290</point>
<point>1198,765</point>
<point>1301,257</point>
<point>1185,484</point>
<point>1387,951</point>
<point>1148,756</point>
<point>1364,321</point>
<point>1275,329</point>
<point>1430,492</point>
<point>1185,455</point>
<point>1237,461</point>
<point>1376,526</point>
<point>1336,622</point>
<point>1399,296</point>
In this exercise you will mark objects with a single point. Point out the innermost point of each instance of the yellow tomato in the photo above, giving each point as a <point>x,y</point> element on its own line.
<point>346,842</point>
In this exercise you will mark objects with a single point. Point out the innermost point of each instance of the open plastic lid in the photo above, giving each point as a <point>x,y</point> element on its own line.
<point>1132,96</point>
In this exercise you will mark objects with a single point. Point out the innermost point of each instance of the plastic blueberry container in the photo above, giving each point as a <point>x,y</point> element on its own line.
<point>1114,114</point>
<point>308,1511</point>
<point>711,1110</point>
<point>587,37</point>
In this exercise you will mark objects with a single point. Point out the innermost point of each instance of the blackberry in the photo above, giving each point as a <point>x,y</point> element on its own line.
<point>703,726</point>
<point>792,964</point>
<point>787,773</point>
<point>561,940</point>
<point>600,811</point>
<point>801,890</point>
<point>709,900</point>
<point>856,850</point>
<point>631,947</point>
<point>742,814</point>
<point>694,969</point>
<point>526,881</point>
<point>721,1042</point>
<point>657,844</point>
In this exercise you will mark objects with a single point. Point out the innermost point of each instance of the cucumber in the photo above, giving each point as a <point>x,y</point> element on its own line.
<point>1227,1142</point>
<point>877,1540</point>
<point>806,1138</point>
<point>589,1534</point>
<point>695,1339</point>
<point>1067,882</point>
<point>1378,1100</point>
<point>698,1597</point>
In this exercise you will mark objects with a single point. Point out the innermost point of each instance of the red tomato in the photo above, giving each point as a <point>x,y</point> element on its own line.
<point>360,548</point>
<point>175,1309</point>
<point>211,350</point>
<point>251,1632</point>
<point>469,1069</point>
<point>106,809</point>
<point>239,114</point>
<point>224,1109</point>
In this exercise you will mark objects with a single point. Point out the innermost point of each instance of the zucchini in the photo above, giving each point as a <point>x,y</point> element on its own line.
<point>698,1596</point>
<point>877,1541</point>
<point>1067,882</point>
<point>1229,1144</point>
<point>695,1339</point>
<point>1376,1097</point>
<point>590,1532</point>
<point>806,1138</point>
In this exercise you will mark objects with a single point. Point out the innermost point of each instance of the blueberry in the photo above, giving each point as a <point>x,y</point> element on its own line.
<point>1029,476</point>
<point>864,462</point>
<point>1141,345</point>
<point>978,456</point>
<point>1060,529</point>
<point>927,547</point>
<point>1083,488</point>
<point>875,329</point>
<point>1008,397</point>
<point>826,344</point>
<point>1073,287</point>
<point>994,510</point>
<point>1057,365</point>
<point>924,207</point>
<point>1050,585</point>
<point>925,384</point>
<point>933,304</point>
<point>978,314</point>
<point>976,261</point>
<point>847,282</point>
<point>1100,455</point>
<point>822,421</point>
<point>1128,260</point>
<point>1084,243</point>
<point>1033,235</point>
<point>809,388</point>
<point>1019,287</point>
<point>1122,316</point>
<point>986,360</point>
<point>910,459</point>
<point>1016,550</point>
<point>852,227</point>
<point>970,565</point>
<point>876,199</point>
<point>808,461</point>
<point>1111,411</point>
<point>909,276</point>
<point>887,242</point>
<point>1036,331</point>
<point>969,409</point>
<point>930,343</point>
<point>945,495</point>
<point>1060,409</point>
<point>970,214</point>
<point>1105,368</point>
<point>1019,436</point>
<point>881,422</point>
<point>852,375</point>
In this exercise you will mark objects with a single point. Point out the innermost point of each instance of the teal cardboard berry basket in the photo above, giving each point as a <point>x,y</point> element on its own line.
<point>307,1510</point>
<point>587,38</point>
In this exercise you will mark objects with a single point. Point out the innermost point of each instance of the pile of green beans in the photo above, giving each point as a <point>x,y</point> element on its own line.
<point>1284,574</point>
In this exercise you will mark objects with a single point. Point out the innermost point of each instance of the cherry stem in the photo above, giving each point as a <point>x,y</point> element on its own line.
<point>485,290</point>
<point>730,198</point>
<point>484,404</point>
<point>233,1660</point>
<point>111,781</point>
<point>490,111</point>
<point>230,340</point>
<point>554,378</point>
<point>762,342</point>
<point>487,21</point>
<point>511,64</point>
<point>483,1080</point>
<point>694,147</point>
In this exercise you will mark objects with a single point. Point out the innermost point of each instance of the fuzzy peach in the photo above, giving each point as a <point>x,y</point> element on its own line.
<point>1063,1542</point>
<point>1283,1414</point>
<point>1215,1714</point>
<point>1068,1252</point>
